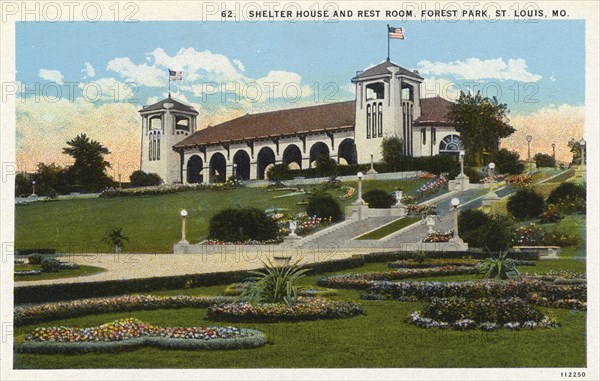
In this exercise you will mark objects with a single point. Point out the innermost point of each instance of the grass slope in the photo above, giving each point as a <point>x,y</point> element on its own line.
<point>390,228</point>
<point>152,223</point>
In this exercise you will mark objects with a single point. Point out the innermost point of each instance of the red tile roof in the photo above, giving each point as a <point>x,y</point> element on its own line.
<point>434,111</point>
<point>326,117</point>
<point>330,116</point>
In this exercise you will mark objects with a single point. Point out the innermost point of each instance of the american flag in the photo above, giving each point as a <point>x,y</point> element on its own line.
<point>175,75</point>
<point>397,33</point>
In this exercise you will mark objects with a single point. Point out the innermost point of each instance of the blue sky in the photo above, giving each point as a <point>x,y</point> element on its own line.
<point>539,68</point>
<point>318,52</point>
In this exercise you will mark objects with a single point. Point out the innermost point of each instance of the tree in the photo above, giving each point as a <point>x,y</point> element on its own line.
<point>576,150</point>
<point>115,238</point>
<point>326,166</point>
<point>544,160</point>
<point>323,205</point>
<point>526,203</point>
<point>280,172</point>
<point>143,179</point>
<point>392,149</point>
<point>481,122</point>
<point>507,162</point>
<point>89,169</point>
<point>378,198</point>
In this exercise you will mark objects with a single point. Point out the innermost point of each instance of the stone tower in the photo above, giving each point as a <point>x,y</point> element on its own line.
<point>387,103</point>
<point>163,125</point>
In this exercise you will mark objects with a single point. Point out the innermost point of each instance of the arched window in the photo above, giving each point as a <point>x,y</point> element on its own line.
<point>158,147</point>
<point>374,120</point>
<point>380,121</point>
<point>368,121</point>
<point>150,149</point>
<point>451,144</point>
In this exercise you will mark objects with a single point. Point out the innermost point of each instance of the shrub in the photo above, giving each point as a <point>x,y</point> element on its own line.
<point>242,224</point>
<point>550,215</point>
<point>142,179</point>
<point>323,205</point>
<point>564,191</point>
<point>481,230</point>
<point>378,198</point>
<point>280,172</point>
<point>326,167</point>
<point>544,160</point>
<point>273,284</point>
<point>526,203</point>
<point>50,265</point>
<point>507,162</point>
<point>35,259</point>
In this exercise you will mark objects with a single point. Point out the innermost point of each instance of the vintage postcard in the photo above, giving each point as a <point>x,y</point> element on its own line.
<point>300,190</point>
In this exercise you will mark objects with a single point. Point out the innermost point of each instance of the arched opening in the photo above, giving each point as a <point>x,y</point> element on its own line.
<point>347,152</point>
<point>292,157</point>
<point>194,170</point>
<point>241,165</point>
<point>451,144</point>
<point>317,150</point>
<point>265,157</point>
<point>217,168</point>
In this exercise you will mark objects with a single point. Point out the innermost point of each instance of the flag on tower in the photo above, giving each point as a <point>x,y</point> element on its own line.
<point>397,33</point>
<point>175,75</point>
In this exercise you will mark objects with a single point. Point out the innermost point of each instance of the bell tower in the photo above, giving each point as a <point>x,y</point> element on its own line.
<point>387,103</point>
<point>163,125</point>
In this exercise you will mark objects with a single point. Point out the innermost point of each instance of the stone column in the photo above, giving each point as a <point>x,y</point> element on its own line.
<point>253,170</point>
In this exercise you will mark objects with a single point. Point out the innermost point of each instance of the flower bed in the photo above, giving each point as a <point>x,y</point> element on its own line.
<point>519,180</point>
<point>249,242</point>
<point>305,309</point>
<point>168,189</point>
<point>439,236</point>
<point>365,280</point>
<point>428,263</point>
<point>421,209</point>
<point>237,288</point>
<point>535,291</point>
<point>61,310</point>
<point>462,314</point>
<point>432,187</point>
<point>131,333</point>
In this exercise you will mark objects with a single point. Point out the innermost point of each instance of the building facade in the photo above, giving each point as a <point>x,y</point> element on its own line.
<point>387,104</point>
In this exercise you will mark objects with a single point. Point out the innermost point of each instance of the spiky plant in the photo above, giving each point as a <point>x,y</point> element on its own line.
<point>115,238</point>
<point>274,284</point>
<point>500,267</point>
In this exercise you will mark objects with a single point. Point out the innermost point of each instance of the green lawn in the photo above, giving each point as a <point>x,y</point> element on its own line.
<point>82,271</point>
<point>390,228</point>
<point>152,223</point>
<point>380,338</point>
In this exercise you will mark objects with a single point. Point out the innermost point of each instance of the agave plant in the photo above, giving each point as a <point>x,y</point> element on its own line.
<point>115,238</point>
<point>500,267</point>
<point>273,284</point>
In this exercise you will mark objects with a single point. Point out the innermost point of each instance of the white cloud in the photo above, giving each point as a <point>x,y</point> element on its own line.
<point>197,65</point>
<point>475,69</point>
<point>438,87</point>
<point>52,75</point>
<point>239,64</point>
<point>143,74</point>
<point>88,70</point>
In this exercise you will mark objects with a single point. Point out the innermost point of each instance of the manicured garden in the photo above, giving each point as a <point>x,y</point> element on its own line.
<point>382,333</point>
<point>152,223</point>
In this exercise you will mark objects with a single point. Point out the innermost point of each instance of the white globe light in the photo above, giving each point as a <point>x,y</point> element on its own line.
<point>455,201</point>
<point>183,213</point>
<point>492,165</point>
<point>359,175</point>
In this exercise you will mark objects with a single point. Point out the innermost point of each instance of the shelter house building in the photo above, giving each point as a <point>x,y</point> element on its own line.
<point>387,103</point>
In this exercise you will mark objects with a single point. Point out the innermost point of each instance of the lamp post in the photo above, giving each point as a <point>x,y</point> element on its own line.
<point>491,167</point>
<point>554,152</point>
<point>33,191</point>
<point>529,138</point>
<point>184,214</point>
<point>461,158</point>
<point>235,171</point>
<point>359,201</point>
<point>455,202</point>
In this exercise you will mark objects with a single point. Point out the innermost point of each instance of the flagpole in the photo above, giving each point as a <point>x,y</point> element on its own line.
<point>169,74</point>
<point>388,38</point>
